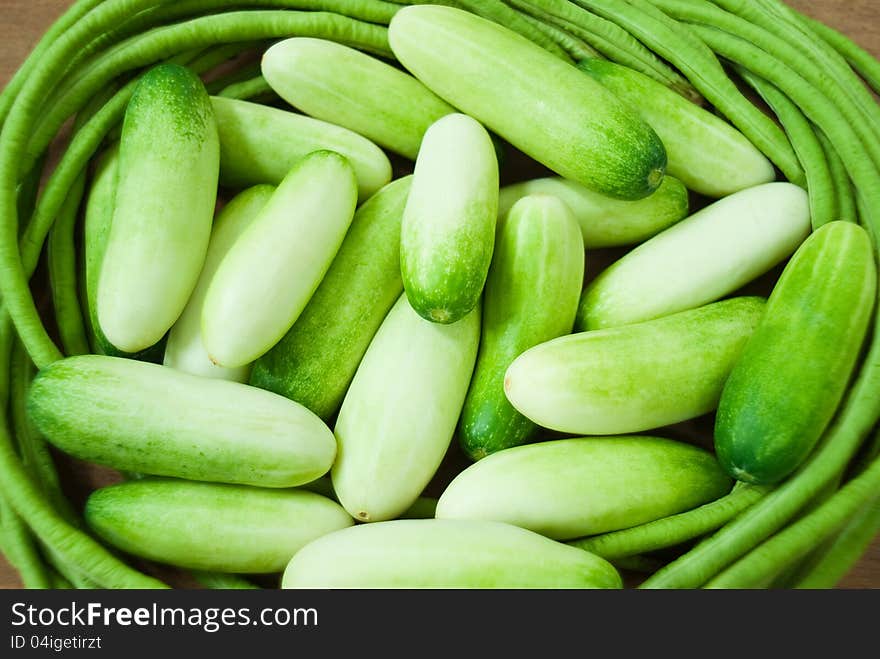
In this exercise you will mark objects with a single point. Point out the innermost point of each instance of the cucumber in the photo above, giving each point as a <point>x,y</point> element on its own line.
<point>164,206</point>
<point>422,508</point>
<point>399,415</point>
<point>448,230</point>
<point>570,488</point>
<point>794,370</point>
<point>607,222</point>
<point>260,144</point>
<point>701,259</point>
<point>634,378</point>
<point>184,349</point>
<point>266,279</point>
<point>433,553</point>
<point>706,153</point>
<point>211,526</point>
<point>349,88</point>
<point>531,296</point>
<point>146,418</point>
<point>316,360</point>
<point>542,105</point>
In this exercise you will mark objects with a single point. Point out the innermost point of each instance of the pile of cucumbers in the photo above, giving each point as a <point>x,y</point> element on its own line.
<point>329,336</point>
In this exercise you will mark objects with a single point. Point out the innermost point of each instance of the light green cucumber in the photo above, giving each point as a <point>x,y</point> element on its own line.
<point>211,526</point>
<point>164,206</point>
<point>399,414</point>
<point>606,222</point>
<point>268,276</point>
<point>531,296</point>
<point>448,230</point>
<point>540,104</point>
<point>706,153</point>
<point>423,507</point>
<point>316,360</point>
<point>634,378</point>
<point>434,553</point>
<point>701,259</point>
<point>146,418</point>
<point>794,371</point>
<point>260,144</point>
<point>349,88</point>
<point>184,349</point>
<point>570,488</point>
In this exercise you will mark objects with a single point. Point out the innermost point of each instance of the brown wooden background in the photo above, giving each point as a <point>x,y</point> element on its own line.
<point>22,22</point>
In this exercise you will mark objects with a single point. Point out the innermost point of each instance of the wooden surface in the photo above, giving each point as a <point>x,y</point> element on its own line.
<point>23,21</point>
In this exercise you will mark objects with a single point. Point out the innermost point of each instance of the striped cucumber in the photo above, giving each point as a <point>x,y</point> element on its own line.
<point>266,279</point>
<point>634,378</point>
<point>211,526</point>
<point>448,230</point>
<point>531,296</point>
<point>146,418</point>
<point>794,370</point>
<point>184,349</point>
<point>164,206</point>
<point>432,553</point>
<point>316,360</point>
<point>399,415</point>
<point>260,144</point>
<point>706,153</point>
<point>349,88</point>
<point>607,222</point>
<point>701,259</point>
<point>570,488</point>
<point>540,104</point>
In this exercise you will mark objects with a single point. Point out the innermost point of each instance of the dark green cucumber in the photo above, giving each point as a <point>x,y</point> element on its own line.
<point>793,372</point>
<point>531,296</point>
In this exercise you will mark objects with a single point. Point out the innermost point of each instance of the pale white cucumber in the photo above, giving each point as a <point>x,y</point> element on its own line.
<point>701,259</point>
<point>267,277</point>
<point>400,412</point>
<point>448,230</point>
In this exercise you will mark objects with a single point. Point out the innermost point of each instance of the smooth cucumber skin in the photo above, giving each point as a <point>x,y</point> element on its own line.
<point>635,378</point>
<point>344,86</point>
<point>448,230</point>
<point>169,159</point>
<point>570,488</point>
<point>260,144</point>
<point>211,526</point>
<point>185,349</point>
<point>706,153</point>
<point>794,370</point>
<point>399,414</point>
<point>701,259</point>
<point>607,222</point>
<point>436,553</point>
<point>540,104</point>
<point>531,296</point>
<point>268,276</point>
<point>146,418</point>
<point>316,360</point>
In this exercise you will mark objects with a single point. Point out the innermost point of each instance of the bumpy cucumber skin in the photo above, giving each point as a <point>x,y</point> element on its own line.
<point>169,159</point>
<point>543,106</point>
<point>146,418</point>
<point>211,526</point>
<point>706,153</point>
<point>607,222</point>
<point>531,296</point>
<point>260,144</point>
<point>570,488</point>
<point>434,553</point>
<point>344,86</point>
<point>316,360</point>
<point>448,230</point>
<point>794,370</point>
<point>634,378</point>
